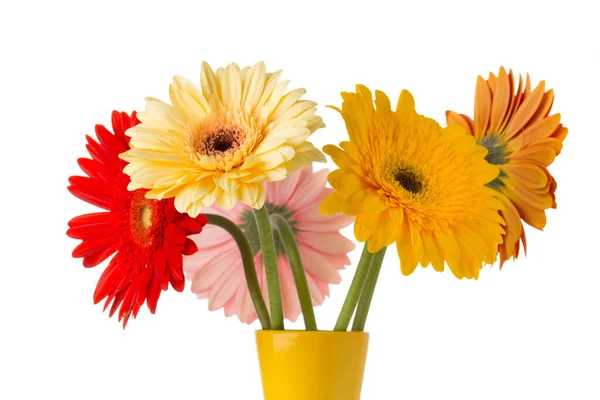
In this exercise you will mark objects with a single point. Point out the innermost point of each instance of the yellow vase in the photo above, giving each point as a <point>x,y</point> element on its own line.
<point>301,365</point>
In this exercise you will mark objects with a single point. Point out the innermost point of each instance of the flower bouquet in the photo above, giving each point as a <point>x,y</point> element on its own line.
<point>217,187</point>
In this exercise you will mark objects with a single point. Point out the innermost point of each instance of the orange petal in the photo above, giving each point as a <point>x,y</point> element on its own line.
<point>538,154</point>
<point>533,214</point>
<point>544,107</point>
<point>528,173</point>
<point>460,119</point>
<point>483,105</point>
<point>500,101</point>
<point>560,134</point>
<point>541,129</point>
<point>408,260</point>
<point>525,111</point>
<point>552,143</point>
<point>515,100</point>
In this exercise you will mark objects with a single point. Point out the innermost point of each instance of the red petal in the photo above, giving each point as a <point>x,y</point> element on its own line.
<point>175,260</point>
<point>170,211</point>
<point>96,258</point>
<point>116,302</point>
<point>88,247</point>
<point>98,218</point>
<point>142,289</point>
<point>153,294</point>
<point>190,247</point>
<point>175,237</point>
<point>110,280</point>
<point>191,226</point>
<point>178,284</point>
<point>160,269</point>
<point>117,123</point>
<point>92,191</point>
<point>110,142</point>
<point>98,152</point>
<point>96,170</point>
<point>92,231</point>
<point>134,119</point>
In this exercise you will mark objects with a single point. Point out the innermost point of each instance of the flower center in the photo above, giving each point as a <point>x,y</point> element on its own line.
<point>220,140</point>
<point>408,180</point>
<point>145,217</point>
<point>497,155</point>
<point>250,229</point>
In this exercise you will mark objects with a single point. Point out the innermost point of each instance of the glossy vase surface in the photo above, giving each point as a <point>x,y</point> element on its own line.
<point>301,365</point>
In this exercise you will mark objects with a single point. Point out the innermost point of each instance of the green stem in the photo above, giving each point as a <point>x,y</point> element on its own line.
<point>356,288</point>
<point>269,256</point>
<point>293,255</point>
<point>367,295</point>
<point>248,263</point>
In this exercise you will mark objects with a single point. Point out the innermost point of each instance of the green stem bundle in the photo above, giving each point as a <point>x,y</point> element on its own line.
<point>293,255</point>
<point>248,262</point>
<point>367,295</point>
<point>356,288</point>
<point>269,256</point>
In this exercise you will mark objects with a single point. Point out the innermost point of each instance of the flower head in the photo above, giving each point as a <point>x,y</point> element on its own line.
<point>221,142</point>
<point>147,237</point>
<point>409,181</point>
<point>218,275</point>
<point>522,139</point>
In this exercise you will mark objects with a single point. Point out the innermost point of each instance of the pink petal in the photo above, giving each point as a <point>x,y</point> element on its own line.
<point>280,192</point>
<point>289,294</point>
<point>315,292</point>
<point>224,288</point>
<point>207,276</point>
<point>309,187</point>
<point>211,236</point>
<point>326,242</point>
<point>206,256</point>
<point>319,265</point>
<point>246,312</point>
<point>334,223</point>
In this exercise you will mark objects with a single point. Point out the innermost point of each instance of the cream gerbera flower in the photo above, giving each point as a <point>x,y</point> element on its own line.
<point>221,142</point>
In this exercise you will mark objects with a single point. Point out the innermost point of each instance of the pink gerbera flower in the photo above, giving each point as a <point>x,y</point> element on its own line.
<point>218,274</point>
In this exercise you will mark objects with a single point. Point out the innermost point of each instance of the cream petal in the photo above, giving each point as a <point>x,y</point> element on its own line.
<point>231,87</point>
<point>254,87</point>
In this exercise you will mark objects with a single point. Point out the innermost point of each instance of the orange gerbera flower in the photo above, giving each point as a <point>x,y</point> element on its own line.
<point>522,139</point>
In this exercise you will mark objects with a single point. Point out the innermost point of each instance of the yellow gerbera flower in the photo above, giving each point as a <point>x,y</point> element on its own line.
<point>409,181</point>
<point>522,139</point>
<point>221,142</point>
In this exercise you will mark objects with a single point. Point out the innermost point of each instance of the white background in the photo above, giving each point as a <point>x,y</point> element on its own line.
<point>528,332</point>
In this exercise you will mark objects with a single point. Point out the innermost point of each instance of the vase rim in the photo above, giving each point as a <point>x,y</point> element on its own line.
<point>303,332</point>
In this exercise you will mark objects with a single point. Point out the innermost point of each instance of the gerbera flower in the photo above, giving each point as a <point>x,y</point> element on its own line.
<point>218,274</point>
<point>221,142</point>
<point>409,181</point>
<point>522,140</point>
<point>147,237</point>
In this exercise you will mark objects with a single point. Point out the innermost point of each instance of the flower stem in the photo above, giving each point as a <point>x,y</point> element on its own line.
<point>367,295</point>
<point>293,254</point>
<point>356,288</point>
<point>249,267</point>
<point>269,256</point>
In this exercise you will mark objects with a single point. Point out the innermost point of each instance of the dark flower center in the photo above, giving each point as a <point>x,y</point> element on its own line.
<point>409,180</point>
<point>220,141</point>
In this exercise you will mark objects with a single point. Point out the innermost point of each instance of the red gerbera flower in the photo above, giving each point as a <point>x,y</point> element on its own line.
<point>149,237</point>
